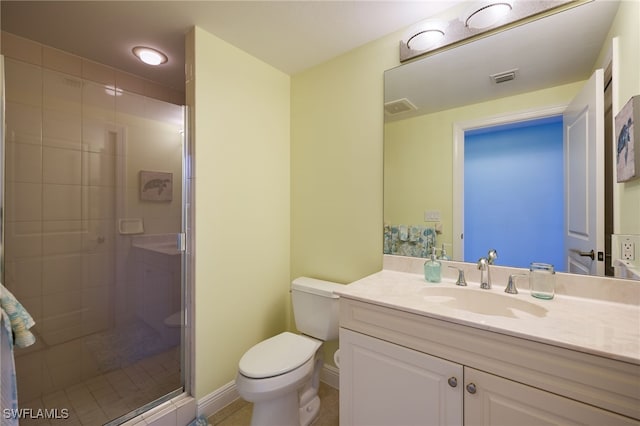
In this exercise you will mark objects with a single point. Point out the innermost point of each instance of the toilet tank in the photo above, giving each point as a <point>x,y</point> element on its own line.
<point>315,307</point>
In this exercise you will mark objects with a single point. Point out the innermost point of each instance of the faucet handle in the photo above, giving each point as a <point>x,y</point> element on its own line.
<point>511,285</point>
<point>461,281</point>
<point>492,256</point>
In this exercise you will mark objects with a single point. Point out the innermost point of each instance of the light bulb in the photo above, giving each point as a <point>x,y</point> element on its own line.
<point>149,56</point>
<point>425,39</point>
<point>488,15</point>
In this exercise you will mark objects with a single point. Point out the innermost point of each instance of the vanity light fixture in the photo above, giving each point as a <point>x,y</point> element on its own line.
<point>487,14</point>
<point>475,19</point>
<point>424,39</point>
<point>150,56</point>
<point>425,35</point>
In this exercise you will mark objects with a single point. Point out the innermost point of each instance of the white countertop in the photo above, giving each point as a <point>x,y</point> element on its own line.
<point>604,328</point>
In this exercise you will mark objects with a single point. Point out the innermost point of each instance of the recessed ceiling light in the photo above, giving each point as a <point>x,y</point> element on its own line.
<point>487,14</point>
<point>150,56</point>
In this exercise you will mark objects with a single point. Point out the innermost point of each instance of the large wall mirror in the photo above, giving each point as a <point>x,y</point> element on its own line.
<point>529,75</point>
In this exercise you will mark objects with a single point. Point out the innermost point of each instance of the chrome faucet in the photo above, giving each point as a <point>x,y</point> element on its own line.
<point>492,256</point>
<point>485,278</point>
<point>461,281</point>
<point>511,285</point>
<point>485,272</point>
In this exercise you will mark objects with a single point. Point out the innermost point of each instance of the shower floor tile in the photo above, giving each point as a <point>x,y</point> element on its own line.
<point>110,395</point>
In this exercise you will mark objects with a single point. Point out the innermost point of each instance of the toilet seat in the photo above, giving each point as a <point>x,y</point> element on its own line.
<point>277,355</point>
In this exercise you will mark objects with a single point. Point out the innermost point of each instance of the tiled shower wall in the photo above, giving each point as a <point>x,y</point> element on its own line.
<point>74,148</point>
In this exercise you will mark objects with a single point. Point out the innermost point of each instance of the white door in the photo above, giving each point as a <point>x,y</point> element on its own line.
<point>584,179</point>
<point>383,384</point>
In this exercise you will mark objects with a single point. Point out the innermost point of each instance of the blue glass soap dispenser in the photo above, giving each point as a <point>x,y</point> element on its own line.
<point>432,268</point>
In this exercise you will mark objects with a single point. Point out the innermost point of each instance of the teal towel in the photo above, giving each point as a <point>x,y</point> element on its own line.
<point>16,319</point>
<point>403,232</point>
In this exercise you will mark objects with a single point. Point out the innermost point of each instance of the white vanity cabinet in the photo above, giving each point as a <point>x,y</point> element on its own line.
<point>396,366</point>
<point>386,384</point>
<point>493,400</point>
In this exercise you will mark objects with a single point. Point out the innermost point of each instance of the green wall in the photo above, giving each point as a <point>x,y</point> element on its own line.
<point>241,110</point>
<point>336,164</point>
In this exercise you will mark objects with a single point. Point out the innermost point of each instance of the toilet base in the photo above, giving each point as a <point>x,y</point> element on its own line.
<point>277,412</point>
<point>310,411</point>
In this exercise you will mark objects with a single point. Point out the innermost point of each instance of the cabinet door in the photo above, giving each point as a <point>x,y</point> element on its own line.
<point>385,384</point>
<point>493,400</point>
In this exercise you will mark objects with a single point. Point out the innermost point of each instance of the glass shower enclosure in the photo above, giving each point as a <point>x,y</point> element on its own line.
<point>93,210</point>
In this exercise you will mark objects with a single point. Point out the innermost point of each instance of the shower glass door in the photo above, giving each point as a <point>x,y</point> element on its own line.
<point>93,210</point>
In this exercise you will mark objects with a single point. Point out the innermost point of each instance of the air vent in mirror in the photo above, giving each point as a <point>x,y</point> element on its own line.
<point>399,106</point>
<point>505,76</point>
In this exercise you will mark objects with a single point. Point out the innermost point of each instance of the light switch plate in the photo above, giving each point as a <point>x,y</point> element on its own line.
<point>432,216</point>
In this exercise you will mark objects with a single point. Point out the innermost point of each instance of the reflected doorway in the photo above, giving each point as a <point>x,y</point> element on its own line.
<point>514,186</point>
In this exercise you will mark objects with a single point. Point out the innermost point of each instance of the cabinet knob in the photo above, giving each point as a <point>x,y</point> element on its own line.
<point>471,388</point>
<point>453,382</point>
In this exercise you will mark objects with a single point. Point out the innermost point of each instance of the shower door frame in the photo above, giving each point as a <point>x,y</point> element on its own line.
<point>185,244</point>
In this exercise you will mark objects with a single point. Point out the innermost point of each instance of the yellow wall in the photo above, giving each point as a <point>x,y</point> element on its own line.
<point>625,27</point>
<point>241,107</point>
<point>418,170</point>
<point>336,164</point>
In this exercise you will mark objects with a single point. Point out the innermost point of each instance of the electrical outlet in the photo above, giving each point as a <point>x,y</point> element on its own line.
<point>628,250</point>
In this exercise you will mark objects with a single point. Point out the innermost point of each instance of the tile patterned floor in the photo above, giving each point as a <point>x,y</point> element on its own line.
<point>111,395</point>
<point>238,413</point>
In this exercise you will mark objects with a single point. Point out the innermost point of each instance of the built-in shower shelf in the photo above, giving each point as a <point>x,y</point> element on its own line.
<point>159,243</point>
<point>130,226</point>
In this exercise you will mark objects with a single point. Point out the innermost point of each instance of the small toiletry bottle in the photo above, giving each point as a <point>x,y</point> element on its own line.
<point>443,254</point>
<point>432,268</point>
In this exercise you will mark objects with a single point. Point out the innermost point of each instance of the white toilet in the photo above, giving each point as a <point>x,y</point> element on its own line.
<point>281,375</point>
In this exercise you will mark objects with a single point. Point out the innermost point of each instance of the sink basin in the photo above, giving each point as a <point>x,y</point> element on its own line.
<point>485,302</point>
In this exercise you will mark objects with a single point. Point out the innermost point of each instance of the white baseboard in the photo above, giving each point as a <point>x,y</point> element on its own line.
<point>331,376</point>
<point>220,398</point>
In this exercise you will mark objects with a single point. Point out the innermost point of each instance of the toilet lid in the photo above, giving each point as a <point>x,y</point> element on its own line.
<point>277,355</point>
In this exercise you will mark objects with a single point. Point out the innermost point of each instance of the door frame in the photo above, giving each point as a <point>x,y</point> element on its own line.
<point>459,129</point>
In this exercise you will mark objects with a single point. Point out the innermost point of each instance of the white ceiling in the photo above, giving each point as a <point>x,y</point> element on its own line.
<point>289,35</point>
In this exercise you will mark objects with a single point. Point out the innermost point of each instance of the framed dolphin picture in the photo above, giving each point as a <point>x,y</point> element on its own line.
<point>156,186</point>
<point>626,142</point>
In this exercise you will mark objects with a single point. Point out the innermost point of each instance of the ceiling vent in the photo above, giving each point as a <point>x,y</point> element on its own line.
<point>399,106</point>
<point>505,76</point>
